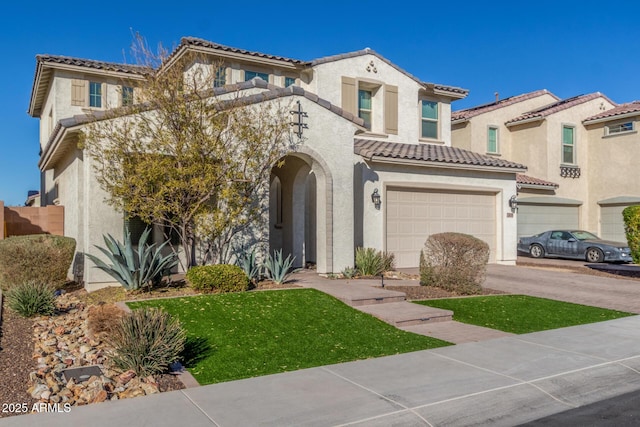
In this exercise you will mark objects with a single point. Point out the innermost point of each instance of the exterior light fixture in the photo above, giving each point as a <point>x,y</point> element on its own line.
<point>375,198</point>
<point>513,203</point>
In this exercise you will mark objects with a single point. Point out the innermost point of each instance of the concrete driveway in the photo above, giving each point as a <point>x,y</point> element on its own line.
<point>548,279</point>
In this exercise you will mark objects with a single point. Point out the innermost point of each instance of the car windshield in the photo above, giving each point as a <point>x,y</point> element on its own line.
<point>584,235</point>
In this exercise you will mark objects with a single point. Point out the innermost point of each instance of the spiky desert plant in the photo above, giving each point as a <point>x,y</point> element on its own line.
<point>32,299</point>
<point>278,268</point>
<point>135,268</point>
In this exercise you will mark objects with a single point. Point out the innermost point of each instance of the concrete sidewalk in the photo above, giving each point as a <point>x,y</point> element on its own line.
<point>502,382</point>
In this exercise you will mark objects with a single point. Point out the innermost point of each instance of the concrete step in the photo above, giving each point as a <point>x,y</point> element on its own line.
<point>456,332</point>
<point>404,313</point>
<point>356,295</point>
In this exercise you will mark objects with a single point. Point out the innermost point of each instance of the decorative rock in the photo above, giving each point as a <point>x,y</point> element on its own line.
<point>127,376</point>
<point>37,390</point>
<point>100,397</point>
<point>59,330</point>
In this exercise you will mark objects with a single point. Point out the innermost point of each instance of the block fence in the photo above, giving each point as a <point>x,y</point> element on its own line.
<point>20,221</point>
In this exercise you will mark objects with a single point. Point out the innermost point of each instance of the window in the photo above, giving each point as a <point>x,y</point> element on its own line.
<point>288,81</point>
<point>492,139</point>
<point>364,107</point>
<point>95,94</point>
<point>248,75</point>
<point>619,128</point>
<point>429,119</point>
<point>127,95</point>
<point>220,78</point>
<point>568,145</point>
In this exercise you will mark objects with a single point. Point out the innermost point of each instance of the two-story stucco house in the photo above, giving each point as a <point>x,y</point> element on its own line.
<point>574,178</point>
<point>376,167</point>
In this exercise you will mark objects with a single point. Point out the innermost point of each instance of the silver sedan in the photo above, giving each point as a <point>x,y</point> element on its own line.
<point>576,244</point>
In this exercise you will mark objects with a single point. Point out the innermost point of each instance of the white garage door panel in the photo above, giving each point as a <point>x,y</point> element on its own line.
<point>612,224</point>
<point>534,219</point>
<point>413,215</point>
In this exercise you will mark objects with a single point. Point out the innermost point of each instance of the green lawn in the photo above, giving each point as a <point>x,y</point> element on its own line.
<point>258,333</point>
<point>520,314</point>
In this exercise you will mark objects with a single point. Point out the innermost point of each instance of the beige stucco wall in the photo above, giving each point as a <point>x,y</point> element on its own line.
<point>613,165</point>
<point>380,176</point>
<point>327,83</point>
<point>472,135</point>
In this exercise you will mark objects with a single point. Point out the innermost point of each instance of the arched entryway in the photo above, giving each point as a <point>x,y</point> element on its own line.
<point>299,221</point>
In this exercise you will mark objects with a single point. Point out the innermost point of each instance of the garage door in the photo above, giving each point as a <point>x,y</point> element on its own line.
<point>612,224</point>
<point>413,215</point>
<point>534,219</point>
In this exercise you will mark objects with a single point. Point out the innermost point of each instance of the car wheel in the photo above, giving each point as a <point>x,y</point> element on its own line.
<point>536,251</point>
<point>595,255</point>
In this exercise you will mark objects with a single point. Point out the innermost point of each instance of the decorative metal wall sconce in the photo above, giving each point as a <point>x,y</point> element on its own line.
<point>375,198</point>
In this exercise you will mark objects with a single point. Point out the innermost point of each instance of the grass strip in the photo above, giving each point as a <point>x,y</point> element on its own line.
<point>521,314</point>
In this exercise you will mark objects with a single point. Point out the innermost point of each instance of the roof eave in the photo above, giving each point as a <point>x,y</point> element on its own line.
<point>522,122</point>
<point>612,118</point>
<point>36,86</point>
<point>442,165</point>
<point>538,187</point>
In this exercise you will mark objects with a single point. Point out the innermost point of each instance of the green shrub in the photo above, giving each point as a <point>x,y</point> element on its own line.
<point>370,262</point>
<point>218,278</point>
<point>41,258</point>
<point>32,299</point>
<point>146,341</point>
<point>455,262</point>
<point>631,216</point>
<point>349,273</point>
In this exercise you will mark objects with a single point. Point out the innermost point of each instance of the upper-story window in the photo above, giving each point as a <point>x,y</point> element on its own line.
<point>492,139</point>
<point>220,79</point>
<point>429,123</point>
<point>289,81</point>
<point>248,75</point>
<point>568,144</point>
<point>95,94</point>
<point>364,107</point>
<point>127,95</point>
<point>619,128</point>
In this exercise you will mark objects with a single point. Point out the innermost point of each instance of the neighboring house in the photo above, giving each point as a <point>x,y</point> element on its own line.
<point>573,180</point>
<point>375,168</point>
<point>614,151</point>
<point>33,198</point>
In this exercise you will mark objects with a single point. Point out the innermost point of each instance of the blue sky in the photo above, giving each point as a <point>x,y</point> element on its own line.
<point>510,47</point>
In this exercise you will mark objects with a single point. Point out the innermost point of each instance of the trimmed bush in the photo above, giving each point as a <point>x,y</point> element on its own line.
<point>631,216</point>
<point>455,262</point>
<point>218,278</point>
<point>146,341</point>
<point>32,299</point>
<point>370,262</point>
<point>41,258</point>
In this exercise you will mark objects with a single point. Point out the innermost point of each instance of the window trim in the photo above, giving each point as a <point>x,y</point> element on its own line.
<point>607,128</point>
<point>98,96</point>
<point>123,98</point>
<point>497,129</point>
<point>421,120</point>
<point>573,145</point>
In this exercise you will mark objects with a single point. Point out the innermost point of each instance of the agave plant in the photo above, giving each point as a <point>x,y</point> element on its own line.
<point>277,268</point>
<point>247,262</point>
<point>134,268</point>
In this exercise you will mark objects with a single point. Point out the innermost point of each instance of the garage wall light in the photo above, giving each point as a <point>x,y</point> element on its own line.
<point>513,203</point>
<point>375,198</point>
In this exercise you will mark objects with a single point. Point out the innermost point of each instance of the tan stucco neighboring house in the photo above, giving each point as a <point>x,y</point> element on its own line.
<point>555,143</point>
<point>373,130</point>
<point>614,151</point>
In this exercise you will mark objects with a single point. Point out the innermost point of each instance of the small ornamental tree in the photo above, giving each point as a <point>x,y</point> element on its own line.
<point>185,157</point>
<point>631,216</point>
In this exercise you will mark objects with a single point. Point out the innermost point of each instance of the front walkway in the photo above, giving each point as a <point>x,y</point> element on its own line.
<point>390,306</point>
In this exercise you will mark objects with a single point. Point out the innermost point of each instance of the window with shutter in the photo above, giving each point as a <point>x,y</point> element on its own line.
<point>391,109</point>
<point>78,92</point>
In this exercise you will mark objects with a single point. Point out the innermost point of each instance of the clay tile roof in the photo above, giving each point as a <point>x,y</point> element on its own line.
<point>629,107</point>
<point>485,108</point>
<point>90,63</point>
<point>547,110</point>
<point>529,180</point>
<point>194,41</point>
<point>430,153</point>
